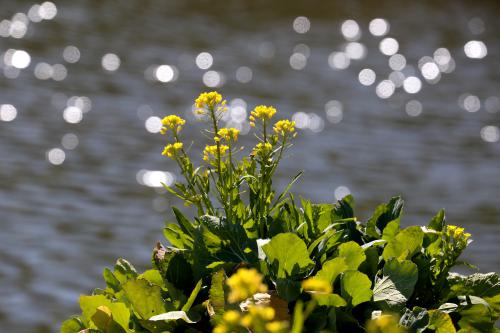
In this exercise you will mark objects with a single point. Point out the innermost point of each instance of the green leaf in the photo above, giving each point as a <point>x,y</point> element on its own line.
<point>352,253</point>
<point>415,320</point>
<point>153,276</point>
<point>111,281</point>
<point>330,300</point>
<point>384,214</point>
<point>174,234</point>
<point>146,299</point>
<point>486,286</point>
<point>72,325</point>
<point>441,322</point>
<point>404,274</point>
<point>355,287</point>
<point>103,319</point>
<point>331,269</point>
<point>370,266</point>
<point>124,271</point>
<point>217,296</point>
<point>172,316</point>
<point>396,286</point>
<point>179,272</point>
<point>386,291</point>
<point>90,304</point>
<point>406,243</point>
<point>287,289</point>
<point>390,230</point>
<point>284,261</point>
<point>438,222</point>
<point>184,223</point>
<point>343,209</point>
<point>476,319</point>
<point>448,307</point>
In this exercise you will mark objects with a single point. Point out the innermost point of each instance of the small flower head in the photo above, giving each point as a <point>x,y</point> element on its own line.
<point>211,151</point>
<point>457,233</point>
<point>231,317</point>
<point>262,112</point>
<point>384,324</point>
<point>276,326</point>
<point>284,127</point>
<point>244,284</point>
<point>315,285</point>
<point>172,122</point>
<point>262,149</point>
<point>210,100</point>
<point>228,134</point>
<point>171,150</point>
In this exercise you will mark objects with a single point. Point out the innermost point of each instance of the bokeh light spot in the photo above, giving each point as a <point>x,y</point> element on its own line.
<point>7,112</point>
<point>301,24</point>
<point>110,62</point>
<point>378,27</point>
<point>153,124</point>
<point>490,133</point>
<point>204,60</point>
<point>413,108</point>
<point>55,156</point>
<point>475,49</point>
<point>367,77</point>
<point>244,74</point>
<point>389,46</point>
<point>412,84</point>
<point>350,30</point>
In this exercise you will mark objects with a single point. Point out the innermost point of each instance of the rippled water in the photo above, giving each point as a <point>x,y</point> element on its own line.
<point>61,224</point>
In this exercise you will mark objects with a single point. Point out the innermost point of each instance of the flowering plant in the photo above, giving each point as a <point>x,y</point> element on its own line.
<point>256,260</point>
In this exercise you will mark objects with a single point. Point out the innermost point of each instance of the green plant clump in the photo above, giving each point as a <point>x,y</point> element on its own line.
<point>256,260</point>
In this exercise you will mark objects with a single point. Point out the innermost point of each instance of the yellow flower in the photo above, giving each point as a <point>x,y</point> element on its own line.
<point>228,134</point>
<point>210,100</point>
<point>316,285</point>
<point>211,151</point>
<point>457,233</point>
<point>244,284</point>
<point>231,317</point>
<point>262,112</point>
<point>284,127</point>
<point>171,149</point>
<point>384,324</point>
<point>221,328</point>
<point>276,326</point>
<point>263,148</point>
<point>173,122</point>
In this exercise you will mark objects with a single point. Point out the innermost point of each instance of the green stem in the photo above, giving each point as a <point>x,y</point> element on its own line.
<point>219,163</point>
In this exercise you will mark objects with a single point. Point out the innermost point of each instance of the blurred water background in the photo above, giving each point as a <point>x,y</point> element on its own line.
<point>391,97</point>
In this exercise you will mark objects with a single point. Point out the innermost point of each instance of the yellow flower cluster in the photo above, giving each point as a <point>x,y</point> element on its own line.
<point>211,151</point>
<point>171,149</point>
<point>210,100</point>
<point>261,112</point>
<point>263,148</point>
<point>244,284</point>
<point>457,233</point>
<point>316,285</point>
<point>284,127</point>
<point>257,319</point>
<point>228,134</point>
<point>173,122</point>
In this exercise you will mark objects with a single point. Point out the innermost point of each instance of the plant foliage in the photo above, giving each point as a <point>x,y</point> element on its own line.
<point>257,260</point>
